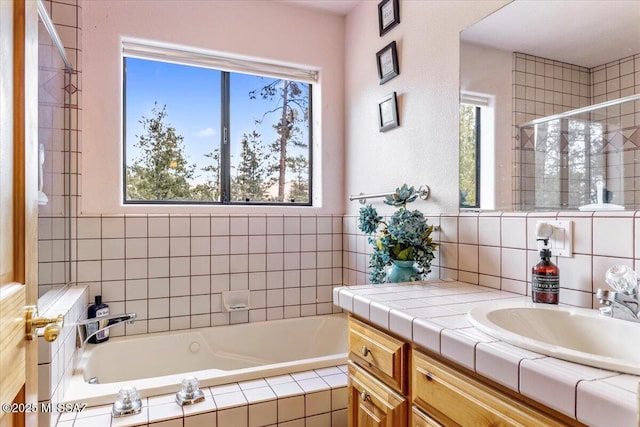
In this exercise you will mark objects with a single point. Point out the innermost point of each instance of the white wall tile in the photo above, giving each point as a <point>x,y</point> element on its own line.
<point>613,236</point>
<point>158,226</point>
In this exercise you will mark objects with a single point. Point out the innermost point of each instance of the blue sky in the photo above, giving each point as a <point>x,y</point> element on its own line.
<point>192,97</point>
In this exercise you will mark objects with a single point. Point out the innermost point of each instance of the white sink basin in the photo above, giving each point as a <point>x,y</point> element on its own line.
<point>569,333</point>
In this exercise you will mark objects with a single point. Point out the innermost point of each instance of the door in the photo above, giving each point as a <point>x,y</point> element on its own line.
<point>18,209</point>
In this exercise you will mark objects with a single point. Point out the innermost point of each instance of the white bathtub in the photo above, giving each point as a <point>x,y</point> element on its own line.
<point>156,363</point>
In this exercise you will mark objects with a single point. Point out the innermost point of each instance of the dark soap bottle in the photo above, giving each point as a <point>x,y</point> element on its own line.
<point>98,310</point>
<point>545,280</point>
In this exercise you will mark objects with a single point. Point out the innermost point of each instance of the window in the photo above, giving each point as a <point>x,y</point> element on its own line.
<point>469,156</point>
<point>214,130</point>
<point>477,151</point>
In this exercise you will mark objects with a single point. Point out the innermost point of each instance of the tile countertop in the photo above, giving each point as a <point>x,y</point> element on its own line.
<point>433,315</point>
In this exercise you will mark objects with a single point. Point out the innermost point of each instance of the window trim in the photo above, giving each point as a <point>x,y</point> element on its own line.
<point>226,65</point>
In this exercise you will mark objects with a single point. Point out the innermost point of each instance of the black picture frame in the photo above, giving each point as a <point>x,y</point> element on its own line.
<point>387,60</point>
<point>388,15</point>
<point>388,112</point>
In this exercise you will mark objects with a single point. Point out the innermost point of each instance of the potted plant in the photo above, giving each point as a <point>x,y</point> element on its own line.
<point>404,242</point>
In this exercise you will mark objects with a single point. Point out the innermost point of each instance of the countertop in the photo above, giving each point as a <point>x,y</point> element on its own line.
<point>433,315</point>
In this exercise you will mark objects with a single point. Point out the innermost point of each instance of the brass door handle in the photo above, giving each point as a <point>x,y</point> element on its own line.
<point>52,326</point>
<point>365,351</point>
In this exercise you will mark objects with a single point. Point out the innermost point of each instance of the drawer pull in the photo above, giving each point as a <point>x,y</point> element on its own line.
<point>364,396</point>
<point>429,376</point>
<point>365,351</point>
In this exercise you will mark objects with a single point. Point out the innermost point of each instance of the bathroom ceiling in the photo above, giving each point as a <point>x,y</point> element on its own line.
<point>341,7</point>
<point>605,30</point>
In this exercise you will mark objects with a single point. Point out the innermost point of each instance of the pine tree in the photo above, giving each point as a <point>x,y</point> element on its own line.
<point>249,182</point>
<point>210,189</point>
<point>291,102</point>
<point>299,190</point>
<point>161,171</point>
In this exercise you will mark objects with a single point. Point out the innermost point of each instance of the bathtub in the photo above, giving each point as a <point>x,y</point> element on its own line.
<point>156,363</point>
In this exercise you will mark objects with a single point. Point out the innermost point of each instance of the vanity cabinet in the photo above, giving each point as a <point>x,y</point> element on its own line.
<point>440,394</point>
<point>372,403</point>
<point>454,398</point>
<point>379,353</point>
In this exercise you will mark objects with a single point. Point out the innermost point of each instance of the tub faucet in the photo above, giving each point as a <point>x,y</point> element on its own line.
<point>90,327</point>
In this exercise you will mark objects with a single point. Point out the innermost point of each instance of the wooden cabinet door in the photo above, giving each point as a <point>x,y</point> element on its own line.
<point>381,354</point>
<point>373,404</point>
<point>18,208</point>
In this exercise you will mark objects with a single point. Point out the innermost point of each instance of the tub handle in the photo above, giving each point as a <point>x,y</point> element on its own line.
<point>364,396</point>
<point>365,351</point>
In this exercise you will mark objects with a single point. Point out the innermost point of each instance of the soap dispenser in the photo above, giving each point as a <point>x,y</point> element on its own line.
<point>545,276</point>
<point>97,310</point>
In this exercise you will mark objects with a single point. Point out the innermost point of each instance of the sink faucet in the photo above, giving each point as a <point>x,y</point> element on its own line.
<point>89,327</point>
<point>620,304</point>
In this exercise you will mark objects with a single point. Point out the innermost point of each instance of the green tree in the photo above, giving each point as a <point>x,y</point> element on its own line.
<point>299,190</point>
<point>249,182</point>
<point>468,151</point>
<point>210,189</point>
<point>291,102</point>
<point>161,170</point>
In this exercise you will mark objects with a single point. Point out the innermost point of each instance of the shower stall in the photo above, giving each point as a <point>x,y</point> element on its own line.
<point>583,159</point>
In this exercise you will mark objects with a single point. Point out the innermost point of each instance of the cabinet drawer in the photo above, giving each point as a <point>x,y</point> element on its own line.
<point>372,403</point>
<point>457,399</point>
<point>420,419</point>
<point>380,353</point>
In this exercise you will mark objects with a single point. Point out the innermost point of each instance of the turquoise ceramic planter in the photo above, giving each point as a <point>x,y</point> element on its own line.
<point>402,271</point>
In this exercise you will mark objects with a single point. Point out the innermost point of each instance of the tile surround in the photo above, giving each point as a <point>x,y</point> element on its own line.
<point>310,398</point>
<point>600,241</point>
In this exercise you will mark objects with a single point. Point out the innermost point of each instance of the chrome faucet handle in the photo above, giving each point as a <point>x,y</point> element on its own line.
<point>622,279</point>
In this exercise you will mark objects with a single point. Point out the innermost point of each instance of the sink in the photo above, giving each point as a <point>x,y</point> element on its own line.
<point>569,333</point>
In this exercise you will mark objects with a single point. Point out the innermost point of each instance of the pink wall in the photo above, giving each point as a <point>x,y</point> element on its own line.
<point>424,149</point>
<point>257,29</point>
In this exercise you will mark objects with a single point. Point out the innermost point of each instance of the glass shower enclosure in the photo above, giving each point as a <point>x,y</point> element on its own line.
<point>584,159</point>
<point>55,150</point>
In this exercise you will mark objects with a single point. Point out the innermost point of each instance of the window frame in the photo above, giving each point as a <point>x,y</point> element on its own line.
<point>478,144</point>
<point>230,64</point>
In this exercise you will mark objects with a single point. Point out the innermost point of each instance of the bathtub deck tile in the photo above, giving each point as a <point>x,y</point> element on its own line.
<point>281,379</point>
<point>247,385</point>
<point>337,380</point>
<point>328,371</point>
<point>287,389</point>
<point>304,375</point>
<point>162,400</point>
<point>167,411</point>
<point>96,421</point>
<point>229,400</point>
<point>313,384</point>
<point>339,398</point>
<point>259,394</point>
<point>223,389</point>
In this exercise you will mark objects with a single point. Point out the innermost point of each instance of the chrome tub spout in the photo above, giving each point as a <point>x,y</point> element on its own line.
<point>89,327</point>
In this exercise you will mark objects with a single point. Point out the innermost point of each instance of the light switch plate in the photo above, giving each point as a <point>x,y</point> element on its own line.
<point>561,241</point>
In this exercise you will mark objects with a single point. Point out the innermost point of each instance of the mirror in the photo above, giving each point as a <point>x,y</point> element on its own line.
<point>571,55</point>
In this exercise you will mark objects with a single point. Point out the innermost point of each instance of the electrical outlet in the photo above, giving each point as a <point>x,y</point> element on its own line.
<point>561,241</point>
